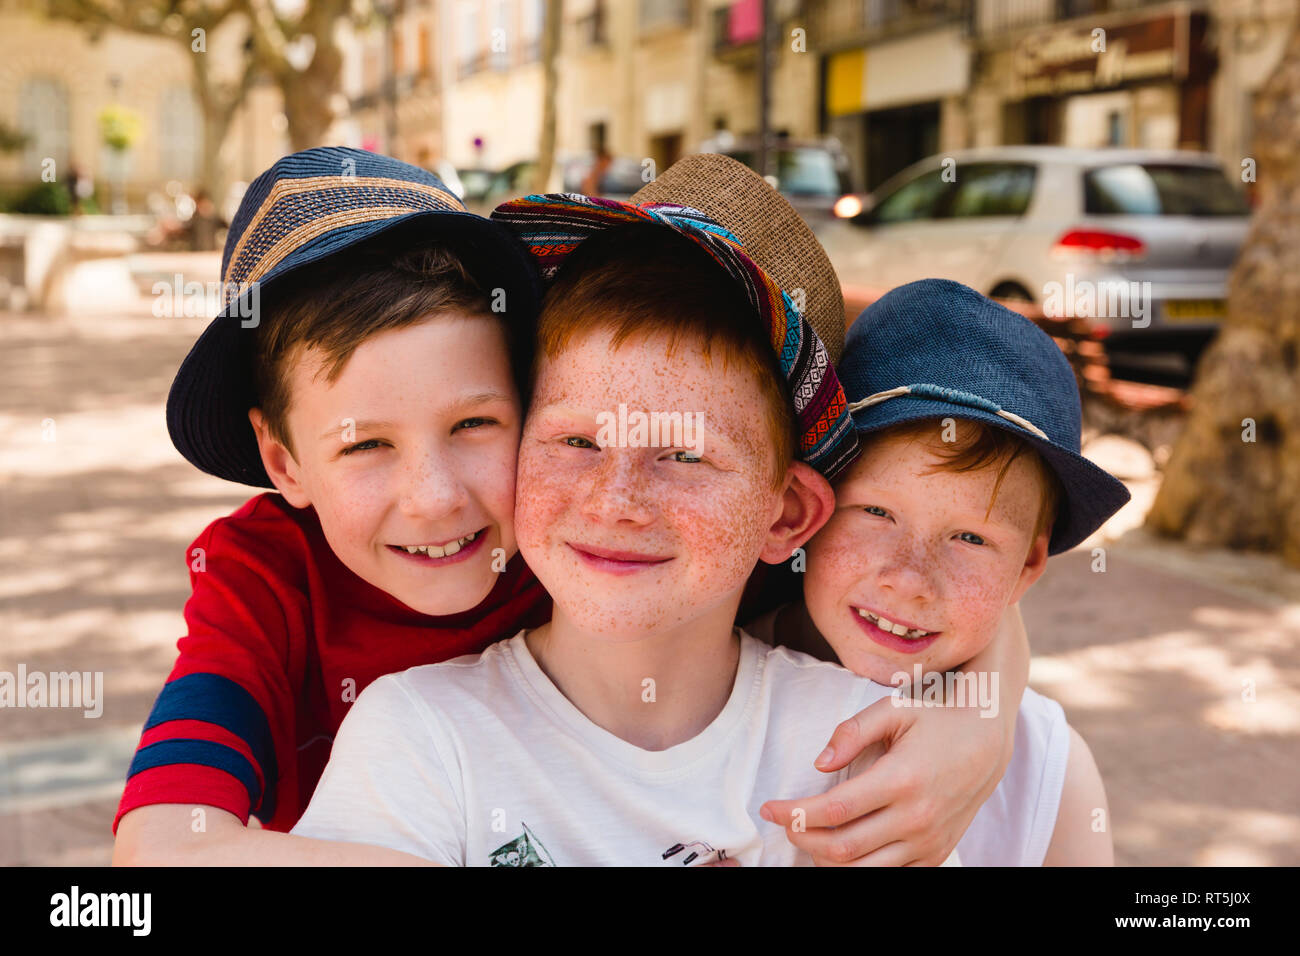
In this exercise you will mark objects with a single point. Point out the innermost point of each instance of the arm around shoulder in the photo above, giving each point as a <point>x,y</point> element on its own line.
<point>1082,834</point>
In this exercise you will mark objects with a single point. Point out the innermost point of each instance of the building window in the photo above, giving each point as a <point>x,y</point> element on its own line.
<point>424,43</point>
<point>43,118</point>
<point>661,14</point>
<point>180,134</point>
<point>534,16</point>
<point>1115,129</point>
<point>469,59</point>
<point>591,25</point>
<point>501,38</point>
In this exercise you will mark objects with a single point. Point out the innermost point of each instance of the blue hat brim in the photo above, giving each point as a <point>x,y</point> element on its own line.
<point>207,407</point>
<point>1091,494</point>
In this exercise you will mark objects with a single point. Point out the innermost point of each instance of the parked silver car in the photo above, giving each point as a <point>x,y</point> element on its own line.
<point>1139,243</point>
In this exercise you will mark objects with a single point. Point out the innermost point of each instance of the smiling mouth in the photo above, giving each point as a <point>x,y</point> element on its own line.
<point>439,550</point>
<point>607,559</point>
<point>889,627</point>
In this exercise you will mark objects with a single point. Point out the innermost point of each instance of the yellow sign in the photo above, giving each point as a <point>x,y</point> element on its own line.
<point>846,83</point>
<point>1192,310</point>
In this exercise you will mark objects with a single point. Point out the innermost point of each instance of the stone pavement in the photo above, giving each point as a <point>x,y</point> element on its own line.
<point>1182,670</point>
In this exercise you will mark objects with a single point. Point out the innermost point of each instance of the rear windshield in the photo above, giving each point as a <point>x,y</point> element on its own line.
<point>800,171</point>
<point>1150,189</point>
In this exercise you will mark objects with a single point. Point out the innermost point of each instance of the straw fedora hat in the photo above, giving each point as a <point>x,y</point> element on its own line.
<point>773,234</point>
<point>760,242</point>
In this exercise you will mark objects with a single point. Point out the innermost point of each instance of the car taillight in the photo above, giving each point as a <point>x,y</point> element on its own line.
<point>1101,243</point>
<point>848,206</point>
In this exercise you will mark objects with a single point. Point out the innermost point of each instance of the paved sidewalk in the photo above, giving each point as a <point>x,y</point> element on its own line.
<point>1150,658</point>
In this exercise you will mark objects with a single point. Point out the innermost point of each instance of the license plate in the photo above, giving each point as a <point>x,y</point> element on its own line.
<point>1194,310</point>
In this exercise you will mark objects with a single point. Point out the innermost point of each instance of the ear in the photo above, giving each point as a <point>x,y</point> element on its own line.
<point>807,503</point>
<point>278,462</point>
<point>1035,565</point>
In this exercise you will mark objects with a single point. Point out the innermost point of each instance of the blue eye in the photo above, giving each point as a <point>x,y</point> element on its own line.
<point>971,538</point>
<point>877,511</point>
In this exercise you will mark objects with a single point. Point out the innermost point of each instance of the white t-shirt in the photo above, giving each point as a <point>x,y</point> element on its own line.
<point>1014,826</point>
<point>481,761</point>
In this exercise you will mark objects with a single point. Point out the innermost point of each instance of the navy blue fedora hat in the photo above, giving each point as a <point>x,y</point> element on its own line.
<point>309,206</point>
<point>939,349</point>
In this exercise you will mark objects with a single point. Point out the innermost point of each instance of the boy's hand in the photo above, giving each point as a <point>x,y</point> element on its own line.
<point>914,803</point>
<point>930,770</point>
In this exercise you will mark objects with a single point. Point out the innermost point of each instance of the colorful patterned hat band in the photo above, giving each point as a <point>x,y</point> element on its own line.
<point>953,395</point>
<point>553,225</point>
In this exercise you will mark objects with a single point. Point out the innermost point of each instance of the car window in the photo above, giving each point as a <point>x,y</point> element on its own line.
<point>1153,189</point>
<point>623,177</point>
<point>476,182</point>
<point>914,200</point>
<point>992,189</point>
<point>800,170</point>
<point>513,180</point>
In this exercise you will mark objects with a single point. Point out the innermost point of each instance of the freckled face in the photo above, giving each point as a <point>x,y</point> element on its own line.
<point>632,541</point>
<point>910,544</point>
<point>428,462</point>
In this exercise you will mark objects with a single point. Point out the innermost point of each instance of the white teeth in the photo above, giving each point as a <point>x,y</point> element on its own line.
<point>433,551</point>
<point>911,634</point>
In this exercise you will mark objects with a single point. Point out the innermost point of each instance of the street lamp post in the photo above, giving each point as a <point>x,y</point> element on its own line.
<point>764,88</point>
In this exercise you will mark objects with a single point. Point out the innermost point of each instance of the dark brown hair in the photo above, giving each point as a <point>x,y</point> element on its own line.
<point>641,280</point>
<point>336,306</point>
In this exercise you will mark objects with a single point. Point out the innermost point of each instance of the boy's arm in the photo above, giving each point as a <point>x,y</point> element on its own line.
<point>1075,842</point>
<point>940,764</point>
<point>221,733</point>
<point>163,835</point>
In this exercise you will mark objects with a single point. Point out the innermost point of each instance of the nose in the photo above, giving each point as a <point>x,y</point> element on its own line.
<point>907,571</point>
<point>431,486</point>
<point>618,492</point>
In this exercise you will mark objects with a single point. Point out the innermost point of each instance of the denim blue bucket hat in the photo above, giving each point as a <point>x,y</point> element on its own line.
<point>312,205</point>
<point>939,349</point>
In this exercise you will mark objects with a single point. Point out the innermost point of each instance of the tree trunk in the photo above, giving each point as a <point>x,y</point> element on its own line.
<point>1234,477</point>
<point>550,83</point>
<point>307,92</point>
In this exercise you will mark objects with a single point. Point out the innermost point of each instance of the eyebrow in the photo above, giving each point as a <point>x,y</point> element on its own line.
<point>468,401</point>
<point>479,398</point>
<point>360,426</point>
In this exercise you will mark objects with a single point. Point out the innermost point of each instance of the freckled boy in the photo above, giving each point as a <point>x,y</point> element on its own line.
<point>970,476</point>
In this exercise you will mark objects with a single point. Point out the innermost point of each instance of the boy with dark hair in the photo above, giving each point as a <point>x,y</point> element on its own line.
<point>366,366</point>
